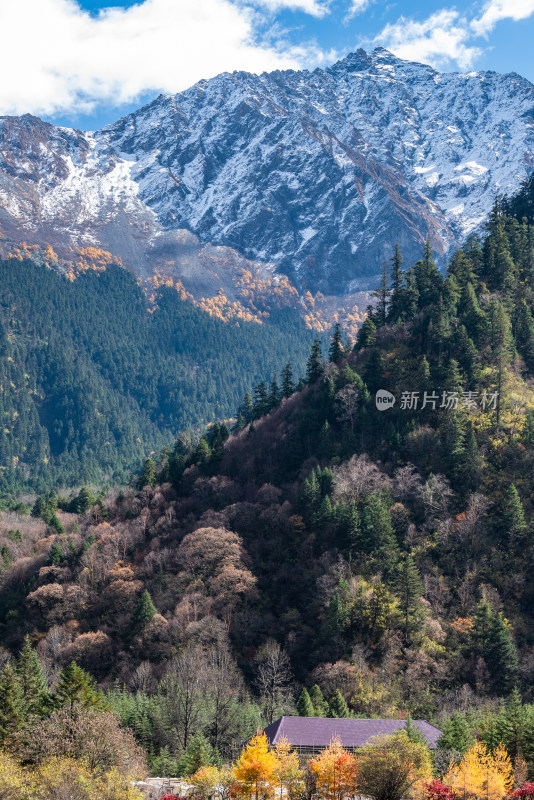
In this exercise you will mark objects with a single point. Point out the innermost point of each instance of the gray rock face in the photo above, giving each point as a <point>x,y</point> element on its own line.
<point>318,173</point>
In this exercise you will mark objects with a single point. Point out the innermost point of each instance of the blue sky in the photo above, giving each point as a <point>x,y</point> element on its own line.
<point>87,63</point>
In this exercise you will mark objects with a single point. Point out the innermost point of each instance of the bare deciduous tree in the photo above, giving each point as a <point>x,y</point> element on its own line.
<point>274,679</point>
<point>183,689</point>
<point>358,478</point>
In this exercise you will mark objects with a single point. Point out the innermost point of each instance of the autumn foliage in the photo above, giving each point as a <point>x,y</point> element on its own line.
<point>255,771</point>
<point>336,772</point>
<point>526,792</point>
<point>436,790</point>
<point>481,773</point>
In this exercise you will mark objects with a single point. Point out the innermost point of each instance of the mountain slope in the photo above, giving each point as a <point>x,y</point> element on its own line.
<point>93,380</point>
<point>301,172</point>
<point>388,552</point>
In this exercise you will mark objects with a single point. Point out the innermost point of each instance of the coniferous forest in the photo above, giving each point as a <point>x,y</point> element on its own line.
<point>93,380</point>
<point>318,556</point>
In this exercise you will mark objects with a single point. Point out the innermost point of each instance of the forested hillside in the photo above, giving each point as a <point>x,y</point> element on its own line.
<point>92,382</point>
<point>380,559</point>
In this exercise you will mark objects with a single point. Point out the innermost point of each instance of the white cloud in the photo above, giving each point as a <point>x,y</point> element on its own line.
<point>497,10</point>
<point>441,38</point>
<point>55,57</point>
<point>358,7</point>
<point>316,9</point>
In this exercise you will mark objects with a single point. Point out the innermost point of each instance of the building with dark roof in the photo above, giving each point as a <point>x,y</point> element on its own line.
<point>312,734</point>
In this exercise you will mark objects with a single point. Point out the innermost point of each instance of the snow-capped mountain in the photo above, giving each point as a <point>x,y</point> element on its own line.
<point>316,174</point>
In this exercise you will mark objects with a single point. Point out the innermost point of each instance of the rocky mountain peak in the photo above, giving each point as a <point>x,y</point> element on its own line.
<point>316,174</point>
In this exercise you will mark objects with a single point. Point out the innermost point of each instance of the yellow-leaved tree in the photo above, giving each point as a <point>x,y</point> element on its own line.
<point>12,783</point>
<point>336,772</point>
<point>255,771</point>
<point>287,770</point>
<point>208,781</point>
<point>481,773</point>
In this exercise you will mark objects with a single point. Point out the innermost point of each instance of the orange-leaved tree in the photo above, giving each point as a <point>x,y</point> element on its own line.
<point>481,773</point>
<point>255,770</point>
<point>336,772</point>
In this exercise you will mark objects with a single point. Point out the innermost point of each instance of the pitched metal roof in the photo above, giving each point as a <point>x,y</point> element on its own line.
<point>319,731</point>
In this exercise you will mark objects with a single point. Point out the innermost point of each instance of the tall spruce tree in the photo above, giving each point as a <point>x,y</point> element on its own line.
<point>382,297</point>
<point>396,304</point>
<point>513,522</point>
<point>456,734</point>
<point>32,682</point>
<point>501,656</point>
<point>428,280</point>
<point>144,612</point>
<point>12,712</point>
<point>320,705</point>
<point>409,589</point>
<point>288,387</point>
<point>304,705</point>
<point>77,687</point>
<point>148,476</point>
<point>366,334</point>
<point>338,707</point>
<point>314,367</point>
<point>198,753</point>
<point>336,350</point>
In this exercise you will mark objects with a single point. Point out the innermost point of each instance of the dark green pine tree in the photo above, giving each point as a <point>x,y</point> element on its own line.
<point>338,708</point>
<point>348,526</point>
<point>502,347</point>
<point>427,278</point>
<point>148,476</point>
<point>77,687</point>
<point>198,753</point>
<point>336,351</point>
<point>413,733</point>
<point>12,716</point>
<point>468,358</point>
<point>409,587</point>
<point>366,334</point>
<point>247,409</point>
<point>503,265</point>
<point>513,724</point>
<point>501,656</point>
<point>85,500</point>
<point>471,466</point>
<point>273,399</point>
<point>304,705</point>
<point>382,297</point>
<point>32,682</point>
<point>482,627</point>
<point>261,400</point>
<point>513,522</point>
<point>527,433</point>
<point>320,706</point>
<point>202,452</point>
<point>410,302</point>
<point>456,734</point>
<point>288,387</point>
<point>524,334</point>
<point>144,612</point>
<point>472,316</point>
<point>335,620</point>
<point>373,373</point>
<point>396,299</point>
<point>314,367</point>
<point>55,555</point>
<point>310,495</point>
<point>377,536</point>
